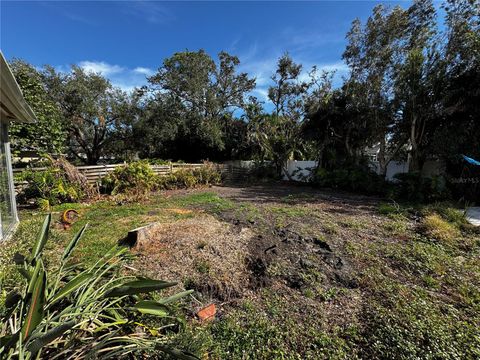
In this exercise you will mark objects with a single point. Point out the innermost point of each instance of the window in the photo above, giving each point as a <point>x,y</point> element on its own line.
<point>8,216</point>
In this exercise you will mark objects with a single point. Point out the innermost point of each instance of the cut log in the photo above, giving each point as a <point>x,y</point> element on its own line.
<point>140,237</point>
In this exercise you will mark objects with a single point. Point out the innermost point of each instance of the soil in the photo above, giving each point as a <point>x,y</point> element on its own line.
<point>228,256</point>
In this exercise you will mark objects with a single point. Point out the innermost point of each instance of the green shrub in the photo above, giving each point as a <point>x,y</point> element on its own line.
<point>189,178</point>
<point>354,178</point>
<point>136,176</point>
<point>60,182</point>
<point>75,311</point>
<point>414,187</point>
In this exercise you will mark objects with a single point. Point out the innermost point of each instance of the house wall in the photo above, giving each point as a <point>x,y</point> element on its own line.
<point>8,206</point>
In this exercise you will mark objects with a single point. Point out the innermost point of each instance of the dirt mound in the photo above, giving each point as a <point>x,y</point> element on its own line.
<point>204,253</point>
<point>290,256</point>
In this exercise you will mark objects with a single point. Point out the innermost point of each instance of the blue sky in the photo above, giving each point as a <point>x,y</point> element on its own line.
<point>128,40</point>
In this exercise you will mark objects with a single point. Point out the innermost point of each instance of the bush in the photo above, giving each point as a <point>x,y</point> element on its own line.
<point>414,187</point>
<point>78,312</point>
<point>189,178</point>
<point>60,182</point>
<point>136,176</point>
<point>355,178</point>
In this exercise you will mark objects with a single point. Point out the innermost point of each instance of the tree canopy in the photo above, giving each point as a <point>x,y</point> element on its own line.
<point>411,92</point>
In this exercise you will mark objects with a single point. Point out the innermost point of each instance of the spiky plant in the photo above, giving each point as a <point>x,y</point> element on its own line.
<point>76,312</point>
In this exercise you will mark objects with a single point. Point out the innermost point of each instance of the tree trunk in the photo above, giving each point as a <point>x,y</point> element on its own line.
<point>382,160</point>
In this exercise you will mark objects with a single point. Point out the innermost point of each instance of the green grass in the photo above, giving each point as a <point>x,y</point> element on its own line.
<point>108,223</point>
<point>419,297</point>
<point>251,333</point>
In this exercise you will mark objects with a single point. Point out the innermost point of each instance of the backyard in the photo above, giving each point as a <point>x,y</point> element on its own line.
<point>294,272</point>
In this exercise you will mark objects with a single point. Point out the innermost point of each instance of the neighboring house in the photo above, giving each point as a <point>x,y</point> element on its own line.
<point>13,107</point>
<point>431,167</point>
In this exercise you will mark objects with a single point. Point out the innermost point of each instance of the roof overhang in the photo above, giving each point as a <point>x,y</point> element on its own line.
<point>13,106</point>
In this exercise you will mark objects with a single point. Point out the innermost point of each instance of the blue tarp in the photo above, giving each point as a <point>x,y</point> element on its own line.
<point>471,161</point>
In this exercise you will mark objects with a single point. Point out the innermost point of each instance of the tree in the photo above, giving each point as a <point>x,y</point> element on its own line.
<point>48,134</point>
<point>93,110</point>
<point>416,81</point>
<point>278,134</point>
<point>370,53</point>
<point>200,95</point>
<point>458,129</point>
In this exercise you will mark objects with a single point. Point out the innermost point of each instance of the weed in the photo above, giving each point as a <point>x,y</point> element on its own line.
<point>202,266</point>
<point>440,229</point>
<point>396,227</point>
<point>353,224</point>
<point>330,228</point>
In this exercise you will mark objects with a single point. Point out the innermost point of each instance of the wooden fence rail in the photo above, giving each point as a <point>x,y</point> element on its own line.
<point>94,173</point>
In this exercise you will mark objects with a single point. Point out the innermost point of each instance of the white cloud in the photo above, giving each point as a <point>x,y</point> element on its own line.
<point>144,71</point>
<point>122,77</point>
<point>149,11</point>
<point>100,67</point>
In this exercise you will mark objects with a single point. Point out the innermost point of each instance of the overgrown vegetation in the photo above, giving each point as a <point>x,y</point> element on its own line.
<point>139,178</point>
<point>60,182</point>
<point>190,178</point>
<point>82,311</point>
<point>357,179</point>
<point>343,277</point>
<point>135,177</point>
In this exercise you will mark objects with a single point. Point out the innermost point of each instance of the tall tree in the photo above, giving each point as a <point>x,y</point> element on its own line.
<point>278,134</point>
<point>48,134</point>
<point>458,131</point>
<point>92,108</point>
<point>370,53</point>
<point>204,95</point>
<point>416,81</point>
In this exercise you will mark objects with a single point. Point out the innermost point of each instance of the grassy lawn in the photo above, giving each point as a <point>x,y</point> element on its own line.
<point>296,273</point>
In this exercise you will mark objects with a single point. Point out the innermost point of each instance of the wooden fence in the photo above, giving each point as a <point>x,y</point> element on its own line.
<point>94,173</point>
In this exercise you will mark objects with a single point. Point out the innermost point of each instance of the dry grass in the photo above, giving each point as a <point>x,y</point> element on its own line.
<point>204,253</point>
<point>440,229</point>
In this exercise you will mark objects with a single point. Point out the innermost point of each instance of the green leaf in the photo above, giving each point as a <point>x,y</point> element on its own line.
<point>113,324</point>
<point>139,287</point>
<point>33,277</point>
<point>70,287</point>
<point>35,310</point>
<point>175,297</point>
<point>73,243</point>
<point>42,238</point>
<point>178,354</point>
<point>151,307</point>
<point>37,344</point>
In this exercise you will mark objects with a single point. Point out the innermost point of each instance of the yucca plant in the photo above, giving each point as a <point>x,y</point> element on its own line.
<point>76,312</point>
